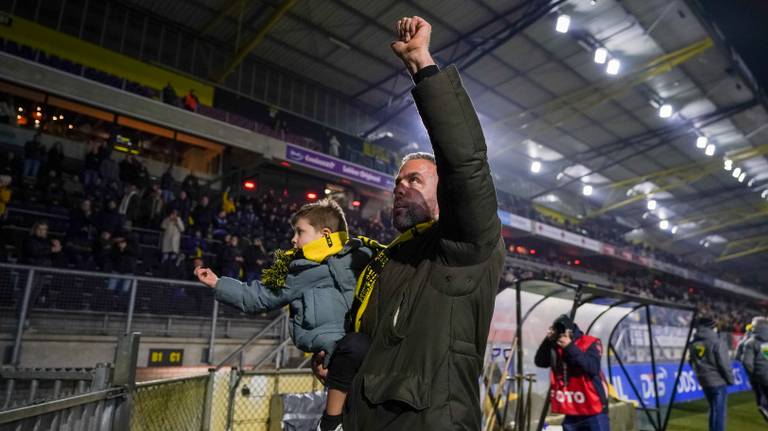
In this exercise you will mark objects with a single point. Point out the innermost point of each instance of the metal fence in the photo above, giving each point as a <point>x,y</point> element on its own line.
<point>62,301</point>
<point>175,404</point>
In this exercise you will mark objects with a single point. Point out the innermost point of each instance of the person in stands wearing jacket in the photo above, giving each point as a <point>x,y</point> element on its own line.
<point>426,300</point>
<point>578,385</point>
<point>710,361</point>
<point>317,279</point>
<point>754,356</point>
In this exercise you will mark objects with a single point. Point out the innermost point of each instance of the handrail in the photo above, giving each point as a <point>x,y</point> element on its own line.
<point>170,380</point>
<point>99,274</point>
<point>275,321</point>
<point>64,403</point>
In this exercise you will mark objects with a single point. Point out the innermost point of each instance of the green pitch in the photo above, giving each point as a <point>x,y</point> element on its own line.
<point>742,414</point>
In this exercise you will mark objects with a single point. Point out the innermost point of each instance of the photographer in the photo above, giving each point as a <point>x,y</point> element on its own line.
<point>577,384</point>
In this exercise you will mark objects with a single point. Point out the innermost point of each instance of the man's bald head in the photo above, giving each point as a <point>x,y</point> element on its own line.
<point>415,191</point>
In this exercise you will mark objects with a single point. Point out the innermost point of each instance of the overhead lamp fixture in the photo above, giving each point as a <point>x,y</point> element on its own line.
<point>736,172</point>
<point>728,164</point>
<point>665,111</point>
<point>674,230</point>
<point>664,224</point>
<point>559,176</point>
<point>742,177</point>
<point>652,204</point>
<point>710,150</point>
<point>701,142</point>
<point>535,166</point>
<point>587,190</point>
<point>563,23</point>
<point>764,194</point>
<point>613,67</point>
<point>751,182</point>
<point>601,55</point>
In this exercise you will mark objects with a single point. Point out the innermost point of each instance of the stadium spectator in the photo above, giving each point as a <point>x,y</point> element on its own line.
<point>578,385</point>
<point>220,225</point>
<point>55,158</point>
<point>109,218</point>
<point>191,185</point>
<point>5,194</point>
<point>195,246</point>
<point>254,259</point>
<point>756,363</point>
<point>710,361</point>
<point>191,102</point>
<point>183,205</point>
<point>334,146</point>
<point>34,154</point>
<point>227,203</point>
<point>50,186</point>
<point>39,250</point>
<point>169,95</point>
<point>231,258</point>
<point>92,164</point>
<point>172,227</point>
<point>122,260</point>
<point>130,204</point>
<point>202,215</point>
<point>152,207</point>
<point>166,185</point>
<point>109,169</point>
<point>102,250</point>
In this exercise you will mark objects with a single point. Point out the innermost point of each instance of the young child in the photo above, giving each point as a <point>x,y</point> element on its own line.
<point>317,279</point>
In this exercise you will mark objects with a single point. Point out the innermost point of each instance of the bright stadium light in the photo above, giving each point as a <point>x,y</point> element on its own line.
<point>665,111</point>
<point>736,172</point>
<point>601,55</point>
<point>674,230</point>
<point>587,190</point>
<point>701,142</point>
<point>710,151</point>
<point>751,182</point>
<point>664,224</point>
<point>742,177</point>
<point>652,204</point>
<point>764,194</point>
<point>563,23</point>
<point>613,67</point>
<point>728,164</point>
<point>536,166</point>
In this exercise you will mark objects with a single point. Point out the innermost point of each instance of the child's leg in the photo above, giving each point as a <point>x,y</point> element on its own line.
<point>345,362</point>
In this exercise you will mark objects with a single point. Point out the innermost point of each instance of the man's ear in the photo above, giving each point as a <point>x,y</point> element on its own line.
<point>325,231</point>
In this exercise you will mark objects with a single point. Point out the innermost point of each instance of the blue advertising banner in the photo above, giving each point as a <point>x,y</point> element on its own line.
<point>688,388</point>
<point>332,165</point>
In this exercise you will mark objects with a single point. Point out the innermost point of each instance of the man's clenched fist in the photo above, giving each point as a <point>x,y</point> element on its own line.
<point>412,44</point>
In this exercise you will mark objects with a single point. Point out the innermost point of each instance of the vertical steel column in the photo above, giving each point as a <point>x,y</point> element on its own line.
<point>653,364</point>
<point>679,370</point>
<point>82,20</point>
<point>22,318</point>
<point>208,401</point>
<point>131,306</point>
<point>212,338</point>
<point>104,24</point>
<point>61,14</point>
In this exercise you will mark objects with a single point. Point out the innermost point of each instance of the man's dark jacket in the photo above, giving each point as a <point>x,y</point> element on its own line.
<point>423,368</point>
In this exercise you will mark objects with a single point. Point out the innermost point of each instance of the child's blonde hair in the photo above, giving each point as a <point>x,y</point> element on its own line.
<point>325,213</point>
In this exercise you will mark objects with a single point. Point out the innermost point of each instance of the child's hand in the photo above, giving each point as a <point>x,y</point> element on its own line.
<point>318,369</point>
<point>206,276</point>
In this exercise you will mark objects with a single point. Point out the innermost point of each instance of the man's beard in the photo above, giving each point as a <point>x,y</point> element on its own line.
<point>409,215</point>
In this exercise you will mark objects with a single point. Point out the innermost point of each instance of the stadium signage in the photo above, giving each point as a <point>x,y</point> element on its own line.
<point>332,165</point>
<point>688,387</point>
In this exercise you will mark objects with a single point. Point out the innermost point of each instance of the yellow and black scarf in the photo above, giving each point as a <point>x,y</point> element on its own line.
<point>316,251</point>
<point>370,275</point>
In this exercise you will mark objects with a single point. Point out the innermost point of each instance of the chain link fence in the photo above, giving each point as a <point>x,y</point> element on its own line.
<point>176,404</point>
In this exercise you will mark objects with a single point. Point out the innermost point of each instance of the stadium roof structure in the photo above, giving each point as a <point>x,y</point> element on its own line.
<point>542,97</point>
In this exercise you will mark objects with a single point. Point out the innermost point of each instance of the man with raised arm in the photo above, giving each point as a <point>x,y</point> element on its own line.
<point>427,299</point>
